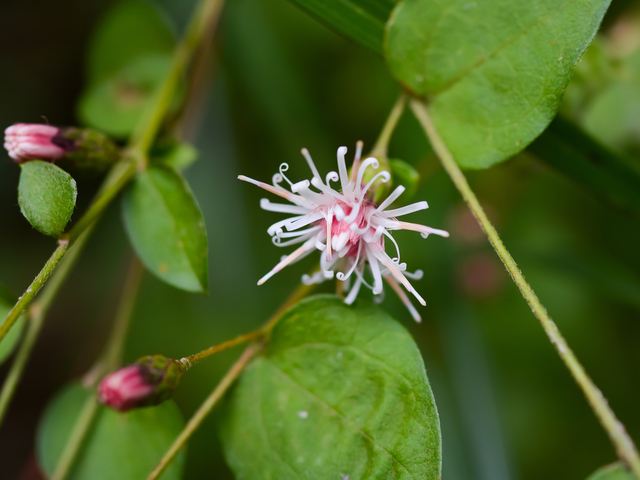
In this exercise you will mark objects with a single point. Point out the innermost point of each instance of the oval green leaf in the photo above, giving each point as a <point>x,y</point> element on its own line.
<point>116,104</point>
<point>493,71</point>
<point>166,228</point>
<point>47,196</point>
<point>120,446</point>
<point>8,343</point>
<point>340,391</point>
<point>615,471</point>
<point>128,31</point>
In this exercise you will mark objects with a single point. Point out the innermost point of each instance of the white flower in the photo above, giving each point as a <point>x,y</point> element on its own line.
<point>346,226</point>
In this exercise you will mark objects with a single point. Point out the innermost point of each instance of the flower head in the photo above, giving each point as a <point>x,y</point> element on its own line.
<point>346,226</point>
<point>149,381</point>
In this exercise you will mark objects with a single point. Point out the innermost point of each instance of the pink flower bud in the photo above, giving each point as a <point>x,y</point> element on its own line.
<point>125,389</point>
<point>149,381</point>
<point>26,142</point>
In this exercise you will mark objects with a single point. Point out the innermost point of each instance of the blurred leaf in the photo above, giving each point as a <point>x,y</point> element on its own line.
<point>615,471</point>
<point>361,20</point>
<point>404,174</point>
<point>128,31</point>
<point>340,391</point>
<point>116,104</point>
<point>567,148</point>
<point>494,71</point>
<point>120,446</point>
<point>166,228</point>
<point>47,196</point>
<point>8,344</point>
<point>175,154</point>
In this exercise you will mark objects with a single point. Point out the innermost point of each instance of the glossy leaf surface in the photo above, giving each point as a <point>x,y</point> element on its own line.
<point>340,391</point>
<point>166,228</point>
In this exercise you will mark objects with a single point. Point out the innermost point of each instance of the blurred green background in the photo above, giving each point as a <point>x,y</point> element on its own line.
<point>281,81</point>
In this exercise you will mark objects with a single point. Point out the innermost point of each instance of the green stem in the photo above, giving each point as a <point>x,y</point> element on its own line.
<point>114,182</point>
<point>621,440</point>
<point>205,409</point>
<point>34,288</point>
<point>119,176</point>
<point>262,332</point>
<point>111,359</point>
<point>37,313</point>
<point>78,434</point>
<point>382,144</point>
<point>205,18</point>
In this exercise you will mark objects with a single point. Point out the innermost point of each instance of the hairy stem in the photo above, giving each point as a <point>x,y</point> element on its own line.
<point>114,182</point>
<point>382,144</point>
<point>35,319</point>
<point>205,409</point>
<point>111,359</point>
<point>623,443</point>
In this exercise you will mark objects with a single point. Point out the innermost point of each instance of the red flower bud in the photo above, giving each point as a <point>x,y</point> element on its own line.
<point>26,142</point>
<point>149,381</point>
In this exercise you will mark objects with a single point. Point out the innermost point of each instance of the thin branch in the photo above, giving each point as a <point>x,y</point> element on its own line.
<point>621,440</point>
<point>205,409</point>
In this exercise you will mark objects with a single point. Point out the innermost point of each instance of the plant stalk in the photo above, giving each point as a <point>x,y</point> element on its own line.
<point>35,319</point>
<point>111,359</point>
<point>617,433</point>
<point>205,409</point>
<point>382,144</point>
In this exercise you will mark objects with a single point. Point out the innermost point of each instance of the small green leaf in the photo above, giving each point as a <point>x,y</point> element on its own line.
<point>47,196</point>
<point>8,344</point>
<point>615,471</point>
<point>120,446</point>
<point>177,155</point>
<point>493,71</point>
<point>340,391</point>
<point>166,228</point>
<point>128,31</point>
<point>116,104</point>
<point>404,174</point>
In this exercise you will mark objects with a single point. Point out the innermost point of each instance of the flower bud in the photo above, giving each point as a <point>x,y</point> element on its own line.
<point>149,381</point>
<point>79,147</point>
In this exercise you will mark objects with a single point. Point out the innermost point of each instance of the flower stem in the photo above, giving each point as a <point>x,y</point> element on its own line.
<point>262,332</point>
<point>36,316</point>
<point>110,360</point>
<point>621,440</point>
<point>114,182</point>
<point>205,409</point>
<point>382,144</point>
<point>203,20</point>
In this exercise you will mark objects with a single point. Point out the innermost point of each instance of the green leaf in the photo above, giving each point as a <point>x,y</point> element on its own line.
<point>175,154</point>
<point>166,228</point>
<point>8,344</point>
<point>404,174</point>
<point>615,471</point>
<point>116,104</point>
<point>47,196</point>
<point>120,446</point>
<point>340,391</point>
<point>360,20</point>
<point>493,71</point>
<point>130,30</point>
